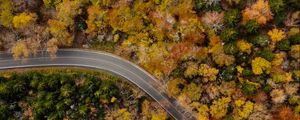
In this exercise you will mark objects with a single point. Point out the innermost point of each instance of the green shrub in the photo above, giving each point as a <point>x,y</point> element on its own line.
<point>4,90</point>
<point>2,79</point>
<point>53,116</point>
<point>295,39</point>
<point>252,26</point>
<point>178,71</point>
<point>283,45</point>
<point>293,3</point>
<point>232,17</point>
<point>247,72</point>
<point>267,54</point>
<point>107,90</point>
<point>279,18</point>
<point>249,89</point>
<point>229,77</point>
<point>267,89</point>
<point>53,93</point>
<point>229,73</point>
<point>231,69</point>
<point>230,48</point>
<point>229,34</point>
<point>241,57</point>
<point>199,5</point>
<point>277,5</point>
<point>4,111</point>
<point>82,25</point>
<point>66,91</point>
<point>202,5</point>
<point>260,40</point>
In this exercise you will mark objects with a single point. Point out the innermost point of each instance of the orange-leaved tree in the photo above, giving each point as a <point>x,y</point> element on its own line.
<point>124,19</point>
<point>259,11</point>
<point>97,20</point>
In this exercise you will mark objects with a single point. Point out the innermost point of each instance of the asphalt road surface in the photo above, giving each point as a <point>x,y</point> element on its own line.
<point>103,61</point>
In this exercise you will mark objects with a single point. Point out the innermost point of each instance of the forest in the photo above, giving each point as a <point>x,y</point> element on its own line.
<point>72,94</point>
<point>221,59</point>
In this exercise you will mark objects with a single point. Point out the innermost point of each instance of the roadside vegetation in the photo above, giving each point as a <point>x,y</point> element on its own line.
<point>221,59</point>
<point>72,94</point>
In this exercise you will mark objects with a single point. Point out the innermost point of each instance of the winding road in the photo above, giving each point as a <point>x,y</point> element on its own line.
<point>103,61</point>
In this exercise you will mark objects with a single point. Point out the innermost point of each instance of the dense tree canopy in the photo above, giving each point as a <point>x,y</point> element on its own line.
<point>241,55</point>
<point>67,94</point>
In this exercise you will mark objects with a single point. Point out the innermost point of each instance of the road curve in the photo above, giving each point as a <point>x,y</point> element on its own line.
<point>103,61</point>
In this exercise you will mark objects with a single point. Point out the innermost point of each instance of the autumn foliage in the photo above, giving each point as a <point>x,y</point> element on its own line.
<point>97,20</point>
<point>6,13</point>
<point>20,50</point>
<point>259,11</point>
<point>60,31</point>
<point>23,20</point>
<point>220,59</point>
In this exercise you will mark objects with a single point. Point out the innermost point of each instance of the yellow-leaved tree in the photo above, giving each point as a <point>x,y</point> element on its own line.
<point>120,114</point>
<point>23,20</point>
<point>244,46</point>
<point>152,111</point>
<point>259,65</point>
<point>62,25</point>
<point>20,49</point>
<point>203,112</point>
<point>276,35</point>
<point>97,20</point>
<point>242,109</point>
<point>67,10</point>
<point>217,51</point>
<point>155,58</point>
<point>208,73</point>
<point>26,47</point>
<point>294,52</point>
<point>174,86</point>
<point>219,107</point>
<point>125,20</point>
<point>59,31</point>
<point>184,9</point>
<point>6,13</point>
<point>193,91</point>
<point>191,70</point>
